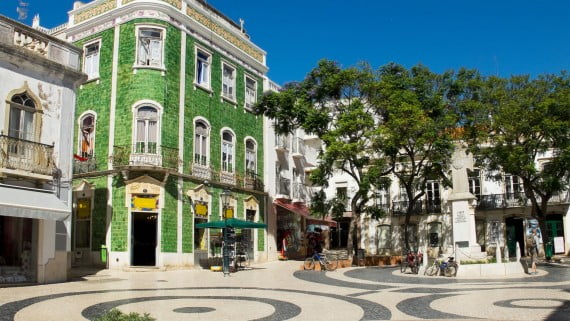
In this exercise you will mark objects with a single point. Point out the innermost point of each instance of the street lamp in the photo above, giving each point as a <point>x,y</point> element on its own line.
<point>226,198</point>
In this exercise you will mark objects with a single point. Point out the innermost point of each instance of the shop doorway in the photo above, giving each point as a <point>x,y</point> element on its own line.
<point>515,234</point>
<point>144,239</point>
<point>554,229</point>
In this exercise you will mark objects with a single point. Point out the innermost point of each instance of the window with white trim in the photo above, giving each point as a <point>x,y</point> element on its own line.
<point>227,151</point>
<point>91,60</point>
<point>250,158</point>
<point>203,63</point>
<point>228,82</point>
<point>146,131</point>
<point>87,135</point>
<point>250,92</point>
<point>201,137</point>
<point>150,47</point>
<point>474,178</point>
<point>513,186</point>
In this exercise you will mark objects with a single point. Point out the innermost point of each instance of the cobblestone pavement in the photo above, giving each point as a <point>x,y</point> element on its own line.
<point>279,291</point>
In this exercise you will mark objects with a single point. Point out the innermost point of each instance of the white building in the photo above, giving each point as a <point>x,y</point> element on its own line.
<point>39,75</point>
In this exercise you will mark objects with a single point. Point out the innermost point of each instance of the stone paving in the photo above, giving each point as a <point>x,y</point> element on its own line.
<point>279,291</point>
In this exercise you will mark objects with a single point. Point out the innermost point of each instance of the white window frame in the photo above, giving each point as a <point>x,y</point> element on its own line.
<point>205,83</point>
<point>248,153</point>
<point>248,105</point>
<point>231,86</point>
<point>81,136</point>
<point>136,107</point>
<point>91,66</point>
<point>475,182</point>
<point>156,63</point>
<point>513,186</point>
<point>13,107</point>
<point>228,166</point>
<point>207,156</point>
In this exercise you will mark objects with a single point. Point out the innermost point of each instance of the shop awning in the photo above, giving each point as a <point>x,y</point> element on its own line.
<point>303,210</point>
<point>32,204</point>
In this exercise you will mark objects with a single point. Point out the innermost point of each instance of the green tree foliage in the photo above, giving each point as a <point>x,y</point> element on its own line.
<point>336,105</point>
<point>526,119</point>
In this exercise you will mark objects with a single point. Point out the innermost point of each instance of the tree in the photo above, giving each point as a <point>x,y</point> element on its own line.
<point>528,118</point>
<point>416,135</point>
<point>335,104</point>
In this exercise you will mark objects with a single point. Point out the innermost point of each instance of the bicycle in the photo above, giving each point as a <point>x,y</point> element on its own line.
<point>412,260</point>
<point>327,261</point>
<point>441,267</point>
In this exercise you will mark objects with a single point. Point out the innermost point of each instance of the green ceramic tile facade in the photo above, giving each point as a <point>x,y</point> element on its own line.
<point>163,88</point>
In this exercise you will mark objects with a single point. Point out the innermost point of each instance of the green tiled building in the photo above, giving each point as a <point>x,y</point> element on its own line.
<point>164,125</point>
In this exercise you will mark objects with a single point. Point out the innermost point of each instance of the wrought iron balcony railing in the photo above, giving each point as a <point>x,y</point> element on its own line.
<point>401,207</point>
<point>253,181</point>
<point>299,192</point>
<point>283,186</point>
<point>19,154</point>
<point>146,155</point>
<point>512,200</point>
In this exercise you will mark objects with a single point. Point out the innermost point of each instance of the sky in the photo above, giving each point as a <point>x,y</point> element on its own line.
<point>500,37</point>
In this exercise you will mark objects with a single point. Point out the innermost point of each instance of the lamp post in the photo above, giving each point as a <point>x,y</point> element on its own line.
<point>225,197</point>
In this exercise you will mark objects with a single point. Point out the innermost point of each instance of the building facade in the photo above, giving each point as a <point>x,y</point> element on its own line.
<point>39,75</point>
<point>164,124</point>
<point>470,224</point>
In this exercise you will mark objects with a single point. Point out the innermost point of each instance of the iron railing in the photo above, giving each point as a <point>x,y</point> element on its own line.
<point>87,166</point>
<point>253,181</point>
<point>299,192</point>
<point>512,200</point>
<point>283,186</point>
<point>137,155</point>
<point>401,207</point>
<point>19,154</point>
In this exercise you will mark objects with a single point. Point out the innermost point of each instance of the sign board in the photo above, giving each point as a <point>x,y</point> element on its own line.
<point>141,203</point>
<point>201,208</point>
<point>559,244</point>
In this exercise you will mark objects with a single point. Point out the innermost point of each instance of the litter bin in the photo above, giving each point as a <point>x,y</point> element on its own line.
<point>548,250</point>
<point>103,253</point>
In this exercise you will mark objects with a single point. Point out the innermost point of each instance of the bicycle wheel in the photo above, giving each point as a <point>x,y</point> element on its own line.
<point>309,263</point>
<point>331,262</point>
<point>451,270</point>
<point>431,270</point>
<point>403,265</point>
<point>415,269</point>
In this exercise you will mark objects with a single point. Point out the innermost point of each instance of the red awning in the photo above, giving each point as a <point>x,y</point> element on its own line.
<point>303,210</point>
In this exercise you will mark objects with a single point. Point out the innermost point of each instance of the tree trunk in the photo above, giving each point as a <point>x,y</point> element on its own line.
<point>351,231</point>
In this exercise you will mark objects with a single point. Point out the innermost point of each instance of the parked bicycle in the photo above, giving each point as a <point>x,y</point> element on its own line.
<point>413,260</point>
<point>329,262</point>
<point>441,267</point>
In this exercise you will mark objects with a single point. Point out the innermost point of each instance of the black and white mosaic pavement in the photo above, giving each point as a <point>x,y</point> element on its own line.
<point>279,292</point>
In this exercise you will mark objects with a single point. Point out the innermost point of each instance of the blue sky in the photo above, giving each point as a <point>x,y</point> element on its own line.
<point>500,37</point>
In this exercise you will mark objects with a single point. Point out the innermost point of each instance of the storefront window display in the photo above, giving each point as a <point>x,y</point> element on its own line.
<point>17,250</point>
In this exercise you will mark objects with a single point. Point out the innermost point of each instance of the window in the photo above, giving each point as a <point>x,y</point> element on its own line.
<point>250,93</point>
<point>475,183</point>
<point>91,60</point>
<point>434,234</point>
<point>201,136</point>
<point>382,197</point>
<point>21,123</point>
<point>149,51</point>
<point>87,136</point>
<point>228,82</point>
<point>384,237</point>
<point>433,197</point>
<point>203,63</point>
<point>513,186</point>
<point>227,152</point>
<point>146,135</point>
<point>250,158</point>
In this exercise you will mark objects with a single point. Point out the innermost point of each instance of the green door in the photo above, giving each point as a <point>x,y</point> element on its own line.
<point>512,239</point>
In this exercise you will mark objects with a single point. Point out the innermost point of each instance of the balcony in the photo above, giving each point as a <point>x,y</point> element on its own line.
<point>513,200</point>
<point>433,206</point>
<point>401,207</point>
<point>201,171</point>
<point>140,155</point>
<point>298,148</point>
<point>253,181</point>
<point>25,158</point>
<point>228,178</point>
<point>283,188</point>
<point>299,193</point>
<point>84,166</point>
<point>281,143</point>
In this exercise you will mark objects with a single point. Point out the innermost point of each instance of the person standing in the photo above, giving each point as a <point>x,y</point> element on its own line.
<point>533,241</point>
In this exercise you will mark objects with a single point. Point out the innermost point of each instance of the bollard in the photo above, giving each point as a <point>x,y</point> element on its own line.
<point>519,254</point>
<point>506,254</point>
<point>498,254</point>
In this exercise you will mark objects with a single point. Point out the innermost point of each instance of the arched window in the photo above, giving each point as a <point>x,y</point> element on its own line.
<point>250,158</point>
<point>146,135</point>
<point>21,124</point>
<point>227,151</point>
<point>87,135</point>
<point>201,137</point>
